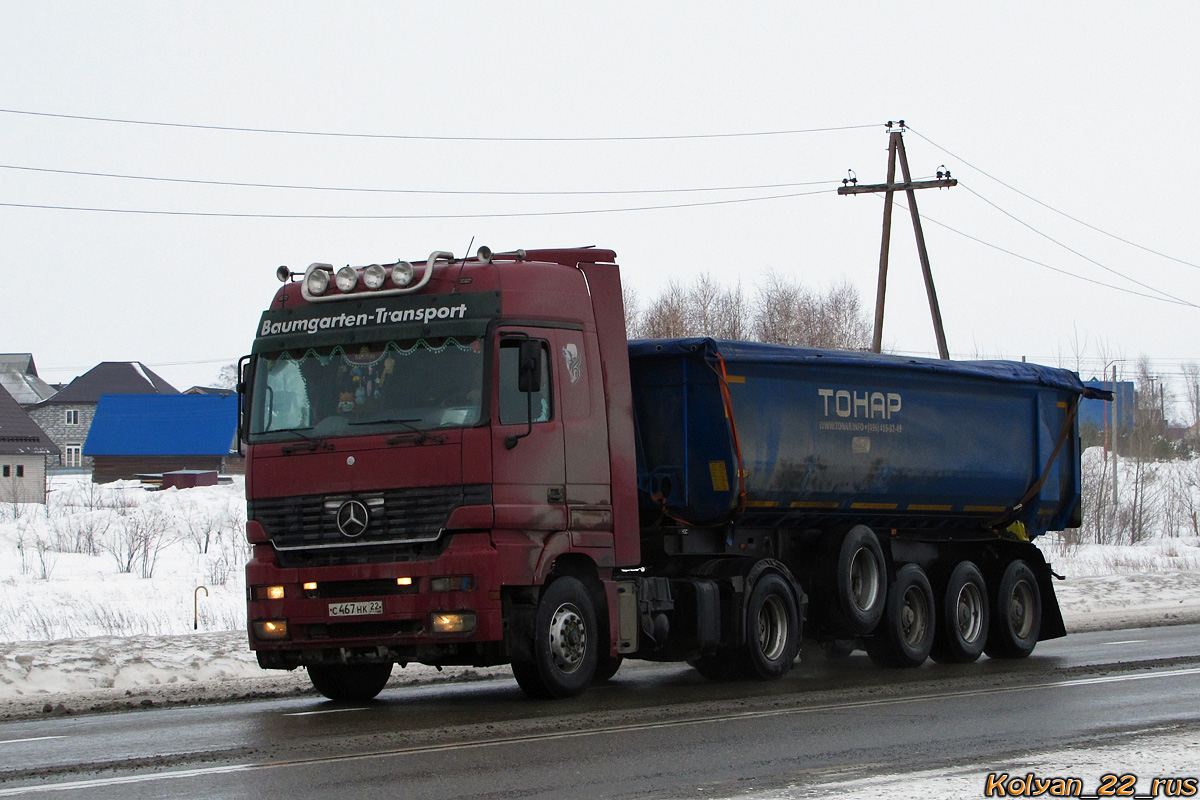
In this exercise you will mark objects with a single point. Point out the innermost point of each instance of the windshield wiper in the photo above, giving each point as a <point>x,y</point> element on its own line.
<point>316,443</point>
<point>421,437</point>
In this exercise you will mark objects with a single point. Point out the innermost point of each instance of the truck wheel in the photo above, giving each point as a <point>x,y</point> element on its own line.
<point>349,683</point>
<point>860,588</point>
<point>566,639</point>
<point>905,634</point>
<point>962,622</point>
<point>772,628</point>
<point>1016,613</point>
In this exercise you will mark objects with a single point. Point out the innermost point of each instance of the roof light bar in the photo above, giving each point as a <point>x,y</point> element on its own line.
<point>316,279</point>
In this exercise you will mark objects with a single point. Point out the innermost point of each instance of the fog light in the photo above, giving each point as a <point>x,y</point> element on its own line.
<point>456,622</point>
<point>347,278</point>
<point>311,586</point>
<point>318,281</point>
<point>402,273</point>
<point>374,276</point>
<point>404,581</point>
<point>268,629</point>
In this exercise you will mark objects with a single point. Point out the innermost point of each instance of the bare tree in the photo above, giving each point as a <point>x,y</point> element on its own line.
<point>1191,393</point>
<point>633,312</point>
<point>788,313</point>
<point>667,316</point>
<point>227,378</point>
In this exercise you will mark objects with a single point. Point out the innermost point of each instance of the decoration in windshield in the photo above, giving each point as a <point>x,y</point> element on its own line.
<point>386,386</point>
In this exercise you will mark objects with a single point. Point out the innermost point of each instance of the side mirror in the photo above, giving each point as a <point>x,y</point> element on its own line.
<point>530,378</point>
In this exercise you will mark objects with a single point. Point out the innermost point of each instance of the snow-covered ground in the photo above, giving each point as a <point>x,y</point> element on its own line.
<point>115,596</point>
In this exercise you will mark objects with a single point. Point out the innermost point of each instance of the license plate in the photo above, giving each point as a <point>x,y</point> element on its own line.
<point>358,609</point>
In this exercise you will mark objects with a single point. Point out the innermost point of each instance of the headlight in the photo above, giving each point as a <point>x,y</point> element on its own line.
<point>462,583</point>
<point>347,279</point>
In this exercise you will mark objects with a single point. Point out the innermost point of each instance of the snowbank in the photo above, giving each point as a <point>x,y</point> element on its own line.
<point>77,633</point>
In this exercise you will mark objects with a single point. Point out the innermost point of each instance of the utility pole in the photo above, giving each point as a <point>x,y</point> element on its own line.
<point>944,181</point>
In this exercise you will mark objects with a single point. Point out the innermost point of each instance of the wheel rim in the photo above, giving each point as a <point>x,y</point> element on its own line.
<point>970,613</point>
<point>914,617</point>
<point>1020,610</point>
<point>568,638</point>
<point>864,579</point>
<point>772,628</point>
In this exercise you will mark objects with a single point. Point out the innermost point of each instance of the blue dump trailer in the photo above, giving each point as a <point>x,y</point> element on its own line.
<point>898,496</point>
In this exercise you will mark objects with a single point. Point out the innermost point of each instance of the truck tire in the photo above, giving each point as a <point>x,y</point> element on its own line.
<point>565,644</point>
<point>904,636</point>
<point>1016,613</point>
<point>772,628</point>
<point>859,582</point>
<point>962,621</point>
<point>349,683</point>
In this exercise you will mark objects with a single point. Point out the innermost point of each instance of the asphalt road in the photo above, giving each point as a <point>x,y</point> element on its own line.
<point>654,731</point>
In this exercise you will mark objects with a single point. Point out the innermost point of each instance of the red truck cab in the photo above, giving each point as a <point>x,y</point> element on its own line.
<point>428,450</point>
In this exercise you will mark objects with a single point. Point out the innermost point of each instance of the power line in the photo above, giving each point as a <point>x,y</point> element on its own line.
<point>1057,211</point>
<point>246,184</point>
<point>1072,250</point>
<point>411,137</point>
<point>1162,299</point>
<point>413,216</point>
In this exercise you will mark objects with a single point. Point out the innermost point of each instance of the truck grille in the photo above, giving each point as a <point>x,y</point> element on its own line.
<point>394,517</point>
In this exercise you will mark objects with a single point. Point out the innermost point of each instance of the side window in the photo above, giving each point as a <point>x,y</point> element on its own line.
<point>515,404</point>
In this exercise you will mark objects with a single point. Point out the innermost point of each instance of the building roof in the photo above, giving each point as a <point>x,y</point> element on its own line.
<point>19,434</point>
<point>17,362</point>
<point>163,425</point>
<point>113,377</point>
<point>18,375</point>
<point>209,390</point>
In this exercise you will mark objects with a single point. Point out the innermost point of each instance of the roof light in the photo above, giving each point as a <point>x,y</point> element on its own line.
<point>347,279</point>
<point>402,273</point>
<point>374,276</point>
<point>317,281</point>
<point>284,274</point>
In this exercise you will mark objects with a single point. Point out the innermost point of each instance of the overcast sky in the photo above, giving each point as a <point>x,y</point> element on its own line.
<point>1044,111</point>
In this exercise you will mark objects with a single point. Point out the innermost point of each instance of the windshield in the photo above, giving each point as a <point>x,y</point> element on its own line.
<point>376,388</point>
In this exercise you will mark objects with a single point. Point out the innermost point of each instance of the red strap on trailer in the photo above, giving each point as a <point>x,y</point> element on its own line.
<point>737,446</point>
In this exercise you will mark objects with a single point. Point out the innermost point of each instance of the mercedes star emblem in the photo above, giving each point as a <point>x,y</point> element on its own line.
<point>353,518</point>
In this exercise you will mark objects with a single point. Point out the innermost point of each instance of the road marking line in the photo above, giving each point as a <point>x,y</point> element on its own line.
<point>536,737</point>
<point>1130,641</point>
<point>315,713</point>
<point>31,739</point>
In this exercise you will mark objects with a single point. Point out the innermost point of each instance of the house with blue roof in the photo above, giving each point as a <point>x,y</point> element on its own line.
<point>138,434</point>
